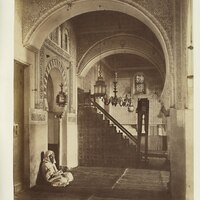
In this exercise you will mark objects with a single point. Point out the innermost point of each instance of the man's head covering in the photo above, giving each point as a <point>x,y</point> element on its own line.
<point>47,154</point>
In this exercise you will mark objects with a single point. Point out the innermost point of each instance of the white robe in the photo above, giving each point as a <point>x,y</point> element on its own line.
<point>51,174</point>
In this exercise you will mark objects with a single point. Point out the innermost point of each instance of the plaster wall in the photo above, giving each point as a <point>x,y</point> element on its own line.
<point>38,142</point>
<point>87,83</point>
<point>63,140</point>
<point>181,140</point>
<point>189,113</point>
<point>154,84</point>
<point>177,140</point>
<point>27,58</point>
<point>53,129</point>
<point>189,157</point>
<point>124,86</point>
<point>20,52</point>
<point>72,141</point>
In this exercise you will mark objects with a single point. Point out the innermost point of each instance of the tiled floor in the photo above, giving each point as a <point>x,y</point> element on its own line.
<point>96,183</point>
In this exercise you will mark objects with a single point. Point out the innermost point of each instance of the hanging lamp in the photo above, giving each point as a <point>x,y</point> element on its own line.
<point>100,86</point>
<point>61,98</point>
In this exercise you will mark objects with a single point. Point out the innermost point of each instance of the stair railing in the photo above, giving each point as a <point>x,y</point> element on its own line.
<point>115,122</point>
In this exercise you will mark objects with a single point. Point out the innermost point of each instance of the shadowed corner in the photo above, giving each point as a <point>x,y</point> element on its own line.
<point>40,180</point>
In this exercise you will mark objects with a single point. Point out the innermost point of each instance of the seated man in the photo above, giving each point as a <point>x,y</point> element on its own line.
<point>51,174</point>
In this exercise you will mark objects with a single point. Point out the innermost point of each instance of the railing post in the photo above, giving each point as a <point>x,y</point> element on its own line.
<point>143,124</point>
<point>138,151</point>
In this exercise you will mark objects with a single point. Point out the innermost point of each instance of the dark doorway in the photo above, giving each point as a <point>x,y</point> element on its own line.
<point>18,129</point>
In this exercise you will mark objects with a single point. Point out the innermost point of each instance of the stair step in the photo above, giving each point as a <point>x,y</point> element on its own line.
<point>100,144</point>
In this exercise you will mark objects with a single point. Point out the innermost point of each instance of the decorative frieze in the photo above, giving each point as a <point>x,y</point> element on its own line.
<point>41,70</point>
<point>37,116</point>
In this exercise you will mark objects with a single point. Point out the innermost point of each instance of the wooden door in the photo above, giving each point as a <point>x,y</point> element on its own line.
<point>18,131</point>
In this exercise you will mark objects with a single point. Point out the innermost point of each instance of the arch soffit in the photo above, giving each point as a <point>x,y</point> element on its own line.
<point>121,43</point>
<point>54,63</point>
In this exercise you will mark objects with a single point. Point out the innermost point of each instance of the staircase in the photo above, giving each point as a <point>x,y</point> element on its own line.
<point>99,142</point>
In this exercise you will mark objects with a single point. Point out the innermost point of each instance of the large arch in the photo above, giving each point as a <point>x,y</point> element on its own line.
<point>64,11</point>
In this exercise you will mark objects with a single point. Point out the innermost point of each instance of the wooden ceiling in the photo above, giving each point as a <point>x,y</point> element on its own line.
<point>128,62</point>
<point>94,26</point>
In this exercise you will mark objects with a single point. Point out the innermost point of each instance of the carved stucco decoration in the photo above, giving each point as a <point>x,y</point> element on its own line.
<point>53,63</point>
<point>37,116</point>
<point>44,58</point>
<point>162,10</point>
<point>57,59</point>
<point>41,71</point>
<point>44,61</point>
<point>35,11</point>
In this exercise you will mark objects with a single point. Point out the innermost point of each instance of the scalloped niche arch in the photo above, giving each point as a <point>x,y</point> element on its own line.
<point>53,64</point>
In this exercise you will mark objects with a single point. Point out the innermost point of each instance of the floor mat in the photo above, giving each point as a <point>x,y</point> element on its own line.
<point>99,183</point>
<point>141,179</point>
<point>93,178</point>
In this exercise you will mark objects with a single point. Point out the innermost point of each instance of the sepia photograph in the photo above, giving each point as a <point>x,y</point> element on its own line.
<point>102,100</point>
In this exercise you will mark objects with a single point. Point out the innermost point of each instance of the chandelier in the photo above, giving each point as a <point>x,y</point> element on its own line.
<point>100,91</point>
<point>115,100</point>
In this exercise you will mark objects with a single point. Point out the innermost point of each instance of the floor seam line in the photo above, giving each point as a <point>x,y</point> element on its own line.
<point>91,197</point>
<point>119,178</point>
